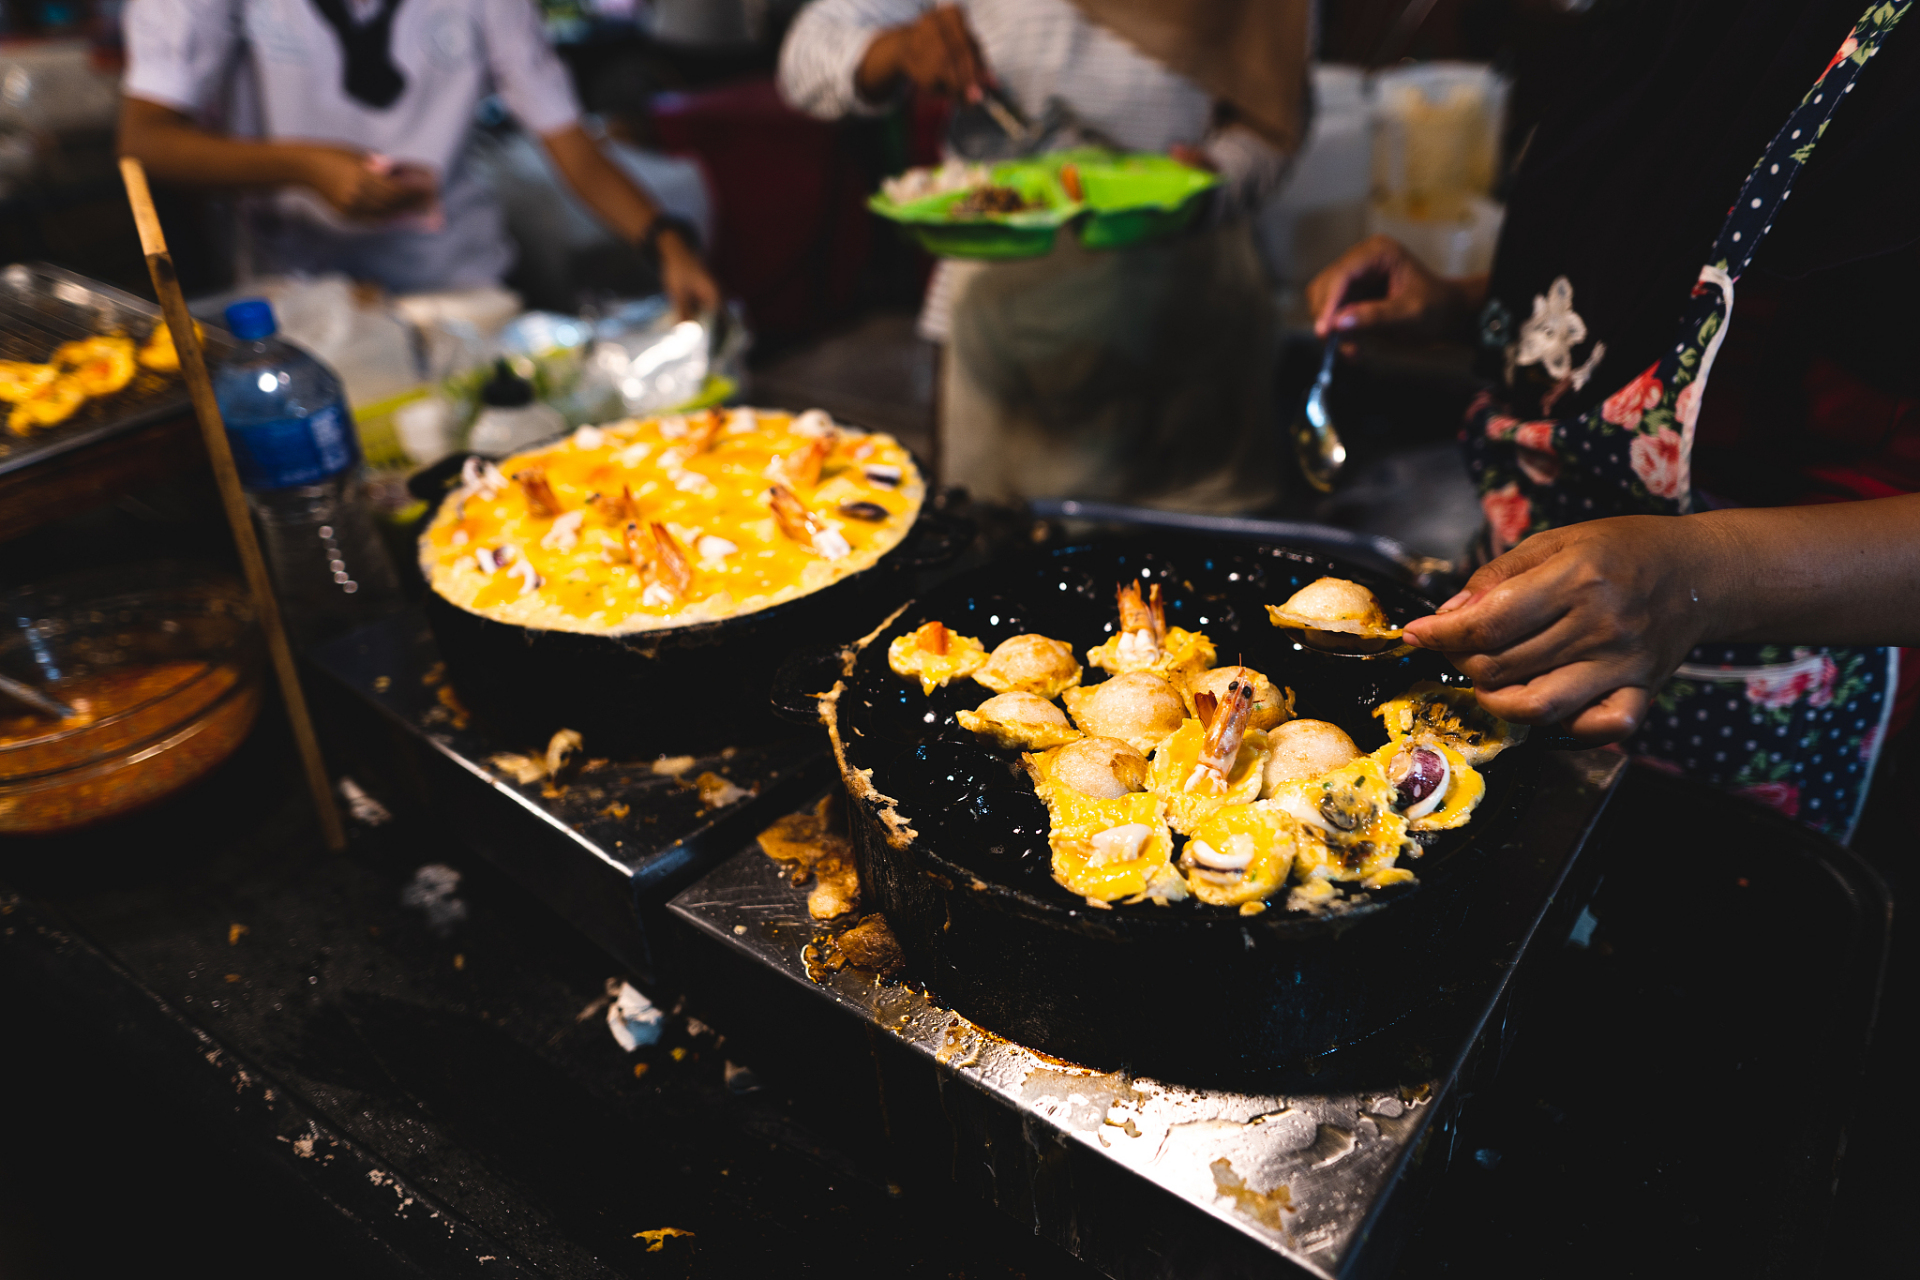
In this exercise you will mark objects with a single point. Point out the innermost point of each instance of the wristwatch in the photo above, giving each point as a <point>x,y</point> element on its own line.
<point>650,238</point>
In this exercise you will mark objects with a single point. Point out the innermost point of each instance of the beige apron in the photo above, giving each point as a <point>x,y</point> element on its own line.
<point>1141,375</point>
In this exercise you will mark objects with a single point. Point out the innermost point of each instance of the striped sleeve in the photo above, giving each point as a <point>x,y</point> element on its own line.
<point>823,49</point>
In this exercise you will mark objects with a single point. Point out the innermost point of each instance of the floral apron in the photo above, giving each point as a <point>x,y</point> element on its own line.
<point>1797,728</point>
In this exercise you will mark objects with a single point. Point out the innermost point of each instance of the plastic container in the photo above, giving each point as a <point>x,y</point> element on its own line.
<point>294,443</point>
<point>166,659</point>
<point>510,418</point>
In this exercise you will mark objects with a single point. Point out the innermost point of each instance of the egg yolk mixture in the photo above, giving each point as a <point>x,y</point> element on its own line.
<point>668,521</point>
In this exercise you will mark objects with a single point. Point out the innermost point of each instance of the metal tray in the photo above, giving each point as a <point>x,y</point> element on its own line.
<point>607,850</point>
<point>43,306</point>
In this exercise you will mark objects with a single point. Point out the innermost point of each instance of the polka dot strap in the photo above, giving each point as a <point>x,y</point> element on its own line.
<point>1771,181</point>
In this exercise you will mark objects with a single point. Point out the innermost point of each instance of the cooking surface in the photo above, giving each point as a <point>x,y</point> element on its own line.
<point>1639,1109</point>
<point>42,307</point>
<point>979,811</point>
<point>616,827</point>
<point>1303,1173</point>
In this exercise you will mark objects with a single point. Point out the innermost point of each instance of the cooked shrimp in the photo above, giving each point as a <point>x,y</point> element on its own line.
<point>541,499</point>
<point>803,526</point>
<point>670,566</point>
<point>703,430</point>
<point>639,546</point>
<point>1143,625</point>
<point>1225,731</point>
<point>801,468</point>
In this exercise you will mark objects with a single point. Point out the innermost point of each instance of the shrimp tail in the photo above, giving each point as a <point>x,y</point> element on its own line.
<point>671,569</point>
<point>541,499</point>
<point>1225,731</point>
<point>792,515</point>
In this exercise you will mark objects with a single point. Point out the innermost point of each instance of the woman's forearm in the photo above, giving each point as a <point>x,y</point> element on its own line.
<point>1838,573</point>
<point>617,199</point>
<point>174,149</point>
<point>1582,624</point>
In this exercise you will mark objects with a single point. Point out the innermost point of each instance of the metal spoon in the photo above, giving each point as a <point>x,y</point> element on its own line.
<point>1315,442</point>
<point>39,701</point>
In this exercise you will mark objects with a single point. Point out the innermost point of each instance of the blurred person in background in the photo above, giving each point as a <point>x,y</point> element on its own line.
<point>1708,573</point>
<point>1136,375</point>
<point>355,114</point>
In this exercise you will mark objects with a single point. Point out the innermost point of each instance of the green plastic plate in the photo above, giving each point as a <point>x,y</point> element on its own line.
<point>1132,199</point>
<point>1127,199</point>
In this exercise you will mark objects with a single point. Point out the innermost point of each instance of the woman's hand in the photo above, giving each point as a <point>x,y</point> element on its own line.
<point>355,188</point>
<point>1580,625</point>
<point>936,53</point>
<point>684,278</point>
<point>1415,298</point>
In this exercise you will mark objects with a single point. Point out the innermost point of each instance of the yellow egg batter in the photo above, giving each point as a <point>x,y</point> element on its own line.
<point>658,523</point>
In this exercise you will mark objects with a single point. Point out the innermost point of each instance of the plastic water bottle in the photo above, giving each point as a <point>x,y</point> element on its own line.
<point>299,459</point>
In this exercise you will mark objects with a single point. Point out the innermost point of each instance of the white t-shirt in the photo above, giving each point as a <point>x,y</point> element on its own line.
<point>451,53</point>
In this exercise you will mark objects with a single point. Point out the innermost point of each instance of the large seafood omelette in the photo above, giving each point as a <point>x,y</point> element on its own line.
<point>668,521</point>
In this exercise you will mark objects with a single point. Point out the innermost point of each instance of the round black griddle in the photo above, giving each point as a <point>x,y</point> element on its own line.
<point>1186,992</point>
<point>675,689</point>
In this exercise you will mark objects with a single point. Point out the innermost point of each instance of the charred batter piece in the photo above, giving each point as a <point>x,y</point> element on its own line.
<point>870,945</point>
<point>812,847</point>
<point>540,497</point>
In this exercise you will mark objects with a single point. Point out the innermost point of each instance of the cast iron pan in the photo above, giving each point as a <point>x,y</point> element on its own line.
<point>1186,992</point>
<point>678,689</point>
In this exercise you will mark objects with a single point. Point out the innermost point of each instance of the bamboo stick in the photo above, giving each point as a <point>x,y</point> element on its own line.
<point>193,368</point>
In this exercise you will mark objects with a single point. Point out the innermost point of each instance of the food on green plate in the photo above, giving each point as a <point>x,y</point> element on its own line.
<point>925,182</point>
<point>982,201</point>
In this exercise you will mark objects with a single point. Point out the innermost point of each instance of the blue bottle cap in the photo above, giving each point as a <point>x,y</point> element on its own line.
<point>251,319</point>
